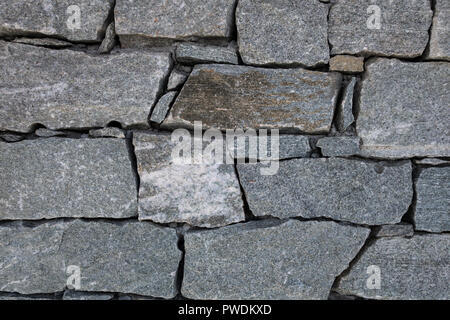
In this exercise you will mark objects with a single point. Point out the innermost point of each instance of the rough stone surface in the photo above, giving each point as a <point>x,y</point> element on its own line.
<point>57,177</point>
<point>55,18</point>
<point>139,257</point>
<point>440,32</point>
<point>142,21</point>
<point>177,79</point>
<point>204,195</point>
<point>110,132</point>
<point>69,89</point>
<point>42,132</point>
<point>229,97</point>
<point>403,28</point>
<point>348,64</point>
<point>348,190</point>
<point>432,211</point>
<point>268,260</point>
<point>11,137</point>
<point>77,295</point>
<point>404,110</point>
<point>44,42</point>
<point>344,117</point>
<point>416,268</point>
<point>282,32</point>
<point>431,161</point>
<point>395,230</point>
<point>109,41</point>
<point>162,107</point>
<point>191,53</point>
<point>339,146</point>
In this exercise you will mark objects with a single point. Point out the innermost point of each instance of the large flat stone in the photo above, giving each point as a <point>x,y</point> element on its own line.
<point>129,257</point>
<point>138,22</point>
<point>403,28</point>
<point>433,200</point>
<point>69,89</point>
<point>440,32</point>
<point>410,269</point>
<point>53,18</point>
<point>348,190</point>
<point>200,194</point>
<point>57,177</point>
<point>230,97</point>
<point>282,32</point>
<point>268,260</point>
<point>404,110</point>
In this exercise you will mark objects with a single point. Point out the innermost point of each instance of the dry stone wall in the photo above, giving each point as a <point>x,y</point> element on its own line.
<point>94,204</point>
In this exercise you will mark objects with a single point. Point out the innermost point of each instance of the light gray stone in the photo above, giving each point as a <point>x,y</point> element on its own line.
<point>176,190</point>
<point>55,18</point>
<point>109,41</point>
<point>395,230</point>
<point>43,132</point>
<point>432,211</point>
<point>230,97</point>
<point>138,22</point>
<point>339,146</point>
<point>44,42</point>
<point>431,161</point>
<point>111,132</point>
<point>57,177</point>
<point>342,189</point>
<point>77,295</point>
<point>130,257</point>
<point>282,32</point>
<point>192,53</point>
<point>402,30</point>
<point>70,89</point>
<point>268,260</point>
<point>410,269</point>
<point>440,32</point>
<point>162,107</point>
<point>404,110</point>
<point>344,117</point>
<point>177,79</point>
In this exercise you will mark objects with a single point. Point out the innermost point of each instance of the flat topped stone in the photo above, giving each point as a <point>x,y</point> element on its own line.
<point>200,194</point>
<point>389,28</point>
<point>440,32</point>
<point>409,269</point>
<point>82,20</point>
<point>348,64</point>
<point>432,211</point>
<point>404,109</point>
<point>230,97</point>
<point>139,257</point>
<point>180,19</point>
<point>341,189</point>
<point>58,177</point>
<point>192,53</point>
<point>268,260</point>
<point>70,89</point>
<point>282,32</point>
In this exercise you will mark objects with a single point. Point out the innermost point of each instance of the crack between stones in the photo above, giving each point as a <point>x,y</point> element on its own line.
<point>180,271</point>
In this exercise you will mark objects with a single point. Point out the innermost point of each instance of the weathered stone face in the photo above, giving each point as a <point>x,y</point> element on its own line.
<point>55,18</point>
<point>205,195</point>
<point>347,190</point>
<point>131,257</point>
<point>162,107</point>
<point>404,110</point>
<point>344,117</point>
<point>282,32</point>
<point>402,30</point>
<point>268,260</point>
<point>191,53</point>
<point>339,146</point>
<point>230,97</point>
<point>433,200</point>
<point>347,64</point>
<point>410,269</point>
<point>141,21</point>
<point>440,32</point>
<point>57,177</point>
<point>69,89</point>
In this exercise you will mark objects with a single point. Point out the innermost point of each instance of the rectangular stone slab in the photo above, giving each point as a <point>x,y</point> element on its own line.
<point>341,189</point>
<point>130,257</point>
<point>410,269</point>
<point>70,89</point>
<point>440,32</point>
<point>404,109</point>
<point>56,177</point>
<point>268,259</point>
<point>200,194</point>
<point>229,97</point>
<point>55,18</point>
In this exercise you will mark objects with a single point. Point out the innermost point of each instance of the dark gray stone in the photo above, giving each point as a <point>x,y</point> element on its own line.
<point>282,32</point>
<point>410,269</point>
<point>440,32</point>
<point>339,146</point>
<point>43,132</point>
<point>341,189</point>
<point>162,107</point>
<point>404,109</point>
<point>57,177</point>
<point>192,53</point>
<point>395,230</point>
<point>44,42</point>
<point>77,295</point>
<point>268,260</point>
<point>109,41</point>
<point>111,132</point>
<point>70,89</point>
<point>344,117</point>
